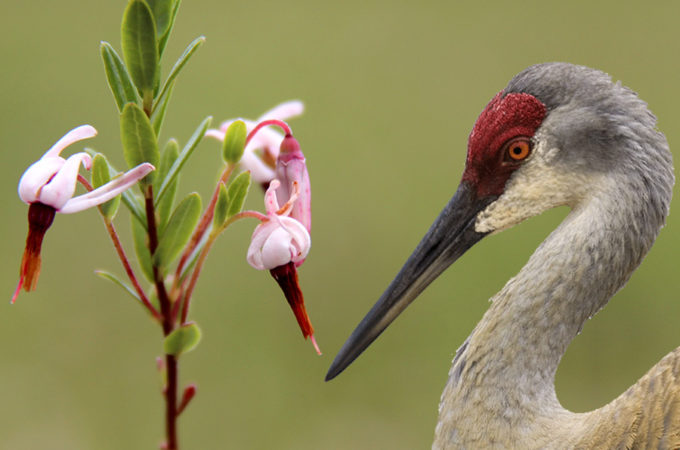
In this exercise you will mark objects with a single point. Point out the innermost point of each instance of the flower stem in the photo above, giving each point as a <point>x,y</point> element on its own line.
<point>202,225</point>
<point>122,256</point>
<point>280,123</point>
<point>204,253</point>
<point>165,303</point>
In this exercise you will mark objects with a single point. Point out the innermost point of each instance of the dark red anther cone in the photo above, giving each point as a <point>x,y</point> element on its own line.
<point>40,218</point>
<point>287,278</point>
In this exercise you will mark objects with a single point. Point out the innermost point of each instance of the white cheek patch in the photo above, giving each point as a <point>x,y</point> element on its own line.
<point>535,187</point>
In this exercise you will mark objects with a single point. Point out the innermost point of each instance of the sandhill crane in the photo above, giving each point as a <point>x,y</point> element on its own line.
<point>558,134</point>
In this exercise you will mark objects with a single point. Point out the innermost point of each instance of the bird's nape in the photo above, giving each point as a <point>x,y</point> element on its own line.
<point>451,235</point>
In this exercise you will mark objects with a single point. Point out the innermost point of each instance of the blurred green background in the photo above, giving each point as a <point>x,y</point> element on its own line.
<point>392,90</point>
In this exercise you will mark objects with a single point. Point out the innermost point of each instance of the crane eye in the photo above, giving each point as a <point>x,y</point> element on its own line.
<point>518,149</point>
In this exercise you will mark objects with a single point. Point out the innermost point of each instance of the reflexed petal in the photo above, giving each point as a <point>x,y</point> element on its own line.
<point>289,173</point>
<point>249,124</point>
<point>108,191</point>
<point>285,110</point>
<point>61,188</point>
<point>271,205</point>
<point>36,176</point>
<point>73,136</point>
<point>260,171</point>
<point>217,134</point>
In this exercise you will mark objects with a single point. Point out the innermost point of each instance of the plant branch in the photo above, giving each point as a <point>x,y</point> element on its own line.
<point>123,258</point>
<point>202,225</point>
<point>168,325</point>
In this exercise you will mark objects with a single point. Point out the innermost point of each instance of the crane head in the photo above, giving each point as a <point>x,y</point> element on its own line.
<point>543,141</point>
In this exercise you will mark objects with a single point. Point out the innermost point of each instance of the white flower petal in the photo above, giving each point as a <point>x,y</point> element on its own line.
<point>260,235</point>
<point>278,242</point>
<point>108,191</point>
<point>61,188</point>
<point>276,250</point>
<point>259,171</point>
<point>73,136</point>
<point>217,134</point>
<point>36,176</point>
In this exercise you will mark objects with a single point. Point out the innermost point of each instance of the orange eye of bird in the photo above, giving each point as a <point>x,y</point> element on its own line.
<point>519,149</point>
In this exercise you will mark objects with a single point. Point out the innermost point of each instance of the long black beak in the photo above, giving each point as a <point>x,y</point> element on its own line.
<point>451,235</point>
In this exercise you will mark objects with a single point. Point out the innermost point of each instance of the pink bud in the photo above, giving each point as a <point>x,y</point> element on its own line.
<point>290,169</point>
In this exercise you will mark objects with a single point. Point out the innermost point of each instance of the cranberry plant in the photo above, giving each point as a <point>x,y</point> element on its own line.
<point>171,236</point>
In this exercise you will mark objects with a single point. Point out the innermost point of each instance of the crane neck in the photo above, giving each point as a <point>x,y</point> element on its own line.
<point>506,368</point>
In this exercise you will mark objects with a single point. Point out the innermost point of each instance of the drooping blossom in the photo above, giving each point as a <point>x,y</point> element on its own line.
<point>277,244</point>
<point>291,169</point>
<point>262,151</point>
<point>48,186</point>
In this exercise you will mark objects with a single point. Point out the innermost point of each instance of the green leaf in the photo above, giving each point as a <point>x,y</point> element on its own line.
<point>178,230</point>
<point>182,340</point>
<point>159,110</point>
<point>183,157</point>
<point>161,9</point>
<point>133,202</point>
<point>117,281</point>
<point>168,158</point>
<point>118,77</point>
<point>138,40</point>
<point>163,40</point>
<point>234,142</point>
<point>141,242</point>
<point>139,140</point>
<point>237,192</point>
<point>184,57</point>
<point>101,174</point>
<point>220,215</point>
<point>193,258</point>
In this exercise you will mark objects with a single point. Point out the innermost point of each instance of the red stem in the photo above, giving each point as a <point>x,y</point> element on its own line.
<point>202,225</point>
<point>280,123</point>
<point>168,326</point>
<point>123,257</point>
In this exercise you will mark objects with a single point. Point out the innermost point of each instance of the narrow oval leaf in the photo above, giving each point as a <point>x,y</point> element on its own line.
<point>234,142</point>
<point>178,230</point>
<point>162,40</point>
<point>221,206</point>
<point>139,140</point>
<point>161,106</point>
<point>161,9</point>
<point>193,257</point>
<point>182,340</point>
<point>237,192</point>
<point>133,202</point>
<point>138,40</point>
<point>118,77</point>
<point>183,157</point>
<point>142,249</point>
<point>101,174</point>
<point>118,282</point>
<point>184,57</point>
<point>168,158</point>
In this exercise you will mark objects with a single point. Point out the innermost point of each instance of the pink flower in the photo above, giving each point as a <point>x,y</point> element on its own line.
<point>291,170</point>
<point>278,244</point>
<point>48,185</point>
<point>279,239</point>
<point>262,151</point>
